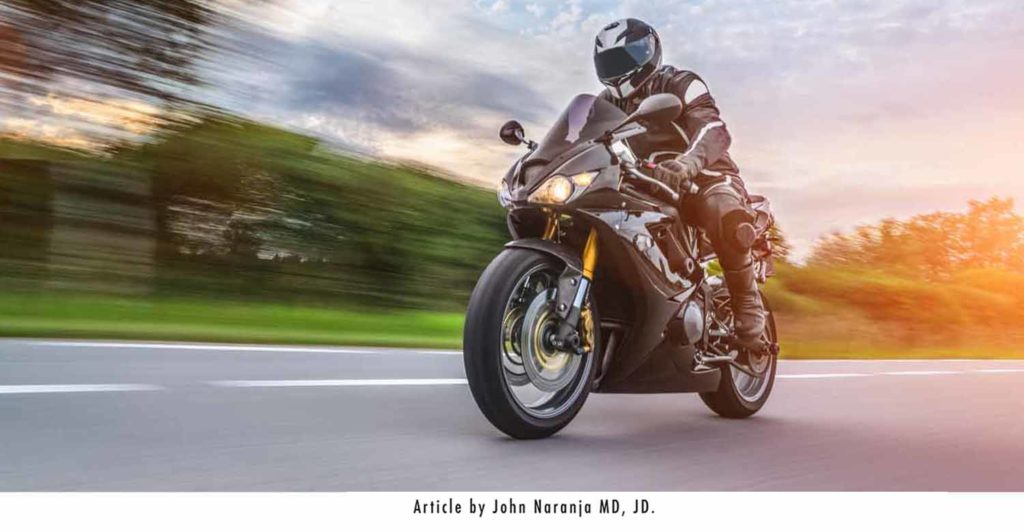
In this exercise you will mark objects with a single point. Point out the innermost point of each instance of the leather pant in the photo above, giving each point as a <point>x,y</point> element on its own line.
<point>718,210</point>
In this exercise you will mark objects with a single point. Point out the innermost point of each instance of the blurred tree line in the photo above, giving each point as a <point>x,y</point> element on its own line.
<point>240,210</point>
<point>936,245</point>
<point>106,51</point>
<point>936,278</point>
<point>260,211</point>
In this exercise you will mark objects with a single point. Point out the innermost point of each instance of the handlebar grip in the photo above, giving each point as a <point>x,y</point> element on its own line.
<point>654,182</point>
<point>691,187</point>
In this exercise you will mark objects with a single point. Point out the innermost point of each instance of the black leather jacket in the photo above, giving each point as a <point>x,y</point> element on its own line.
<point>699,131</point>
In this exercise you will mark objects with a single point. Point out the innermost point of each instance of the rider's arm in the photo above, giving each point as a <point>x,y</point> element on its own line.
<point>705,130</point>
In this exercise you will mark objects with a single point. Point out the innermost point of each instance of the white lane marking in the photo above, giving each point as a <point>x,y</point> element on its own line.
<point>257,348</point>
<point>76,388</point>
<point>442,382</point>
<point>336,382</point>
<point>822,375</point>
<point>897,360</point>
<point>923,372</point>
<point>85,388</point>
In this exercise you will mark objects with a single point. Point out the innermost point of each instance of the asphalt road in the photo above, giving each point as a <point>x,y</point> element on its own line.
<point>106,416</point>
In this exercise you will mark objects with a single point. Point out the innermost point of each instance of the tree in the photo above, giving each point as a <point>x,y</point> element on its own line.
<point>781,248</point>
<point>935,245</point>
<point>144,48</point>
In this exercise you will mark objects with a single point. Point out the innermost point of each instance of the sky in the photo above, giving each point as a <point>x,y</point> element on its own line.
<point>841,112</point>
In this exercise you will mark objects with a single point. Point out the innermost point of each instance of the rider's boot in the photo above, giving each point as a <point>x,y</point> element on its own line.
<point>747,308</point>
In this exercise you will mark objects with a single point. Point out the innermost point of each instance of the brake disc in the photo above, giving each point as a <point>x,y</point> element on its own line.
<point>512,360</point>
<point>549,369</point>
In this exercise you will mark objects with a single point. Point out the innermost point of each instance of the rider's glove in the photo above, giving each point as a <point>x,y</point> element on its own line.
<point>676,172</point>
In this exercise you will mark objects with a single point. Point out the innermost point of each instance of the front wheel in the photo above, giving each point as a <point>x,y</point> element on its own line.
<point>525,387</point>
<point>742,391</point>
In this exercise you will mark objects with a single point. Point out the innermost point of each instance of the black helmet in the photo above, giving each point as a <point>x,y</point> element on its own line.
<point>626,53</point>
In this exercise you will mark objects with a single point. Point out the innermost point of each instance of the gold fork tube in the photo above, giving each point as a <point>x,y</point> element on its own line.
<point>590,255</point>
<point>552,227</point>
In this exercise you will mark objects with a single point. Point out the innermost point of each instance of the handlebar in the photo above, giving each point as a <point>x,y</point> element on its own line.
<point>634,173</point>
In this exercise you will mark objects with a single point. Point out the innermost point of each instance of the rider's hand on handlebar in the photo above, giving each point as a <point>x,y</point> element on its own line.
<point>676,172</point>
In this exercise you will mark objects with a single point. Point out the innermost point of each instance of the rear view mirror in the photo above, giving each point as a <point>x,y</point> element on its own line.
<point>512,133</point>
<point>659,108</point>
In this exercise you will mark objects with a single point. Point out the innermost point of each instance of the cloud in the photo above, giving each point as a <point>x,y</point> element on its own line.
<point>35,130</point>
<point>535,10</point>
<point>568,18</point>
<point>83,124</point>
<point>128,116</point>
<point>372,94</point>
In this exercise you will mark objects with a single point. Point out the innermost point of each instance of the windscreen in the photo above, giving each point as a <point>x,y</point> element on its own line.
<point>586,118</point>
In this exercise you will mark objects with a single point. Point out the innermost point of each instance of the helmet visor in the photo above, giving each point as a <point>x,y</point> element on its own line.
<point>615,63</point>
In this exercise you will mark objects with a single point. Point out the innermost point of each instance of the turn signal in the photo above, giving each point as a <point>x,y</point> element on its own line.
<point>584,179</point>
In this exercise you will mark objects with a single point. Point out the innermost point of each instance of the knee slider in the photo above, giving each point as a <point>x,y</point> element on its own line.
<point>738,229</point>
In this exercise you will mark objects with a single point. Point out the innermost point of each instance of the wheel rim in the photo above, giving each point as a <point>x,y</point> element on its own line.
<point>542,380</point>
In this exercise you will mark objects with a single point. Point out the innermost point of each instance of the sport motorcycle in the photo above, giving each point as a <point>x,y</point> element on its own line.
<point>604,287</point>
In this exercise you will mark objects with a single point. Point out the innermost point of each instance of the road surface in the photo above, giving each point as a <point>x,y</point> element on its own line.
<point>116,416</point>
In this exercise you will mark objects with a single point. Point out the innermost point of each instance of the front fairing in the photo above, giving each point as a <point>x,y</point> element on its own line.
<point>570,147</point>
<point>595,157</point>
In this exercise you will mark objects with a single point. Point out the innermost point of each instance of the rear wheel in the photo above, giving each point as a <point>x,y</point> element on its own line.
<point>525,387</point>
<point>744,389</point>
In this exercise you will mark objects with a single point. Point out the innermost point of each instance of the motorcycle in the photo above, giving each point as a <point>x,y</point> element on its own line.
<point>604,288</point>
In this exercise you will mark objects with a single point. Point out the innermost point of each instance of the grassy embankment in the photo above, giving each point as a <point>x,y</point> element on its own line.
<point>195,320</point>
<point>837,313</point>
<point>830,315</point>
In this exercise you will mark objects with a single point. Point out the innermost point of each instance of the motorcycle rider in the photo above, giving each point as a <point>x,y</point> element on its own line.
<point>627,57</point>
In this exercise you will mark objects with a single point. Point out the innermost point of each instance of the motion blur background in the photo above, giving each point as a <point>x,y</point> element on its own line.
<point>324,172</point>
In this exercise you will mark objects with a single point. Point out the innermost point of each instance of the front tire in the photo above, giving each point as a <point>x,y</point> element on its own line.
<point>515,286</point>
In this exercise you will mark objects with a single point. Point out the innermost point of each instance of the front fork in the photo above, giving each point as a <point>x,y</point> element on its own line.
<point>573,287</point>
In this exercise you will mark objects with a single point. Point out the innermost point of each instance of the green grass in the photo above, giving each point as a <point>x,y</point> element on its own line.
<point>99,317</point>
<point>103,317</point>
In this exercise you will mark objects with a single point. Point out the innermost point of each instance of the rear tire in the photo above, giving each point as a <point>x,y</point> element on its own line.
<point>484,358</point>
<point>728,401</point>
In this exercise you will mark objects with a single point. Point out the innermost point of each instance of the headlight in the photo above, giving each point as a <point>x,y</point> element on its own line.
<point>558,189</point>
<point>554,190</point>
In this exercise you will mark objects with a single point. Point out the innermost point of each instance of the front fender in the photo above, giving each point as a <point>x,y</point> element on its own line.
<point>570,282</point>
<point>563,253</point>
